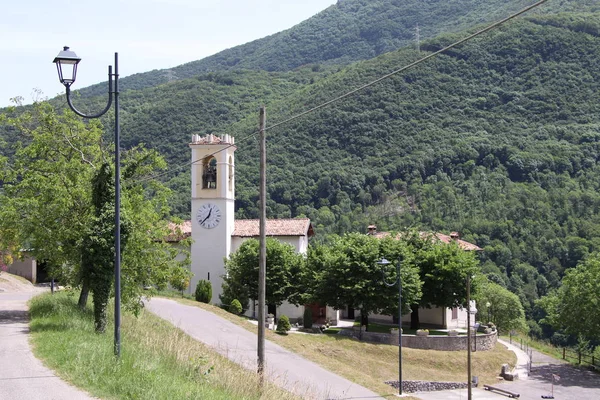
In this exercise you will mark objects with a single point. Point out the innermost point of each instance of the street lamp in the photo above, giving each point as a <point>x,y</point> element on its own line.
<point>66,63</point>
<point>383,262</point>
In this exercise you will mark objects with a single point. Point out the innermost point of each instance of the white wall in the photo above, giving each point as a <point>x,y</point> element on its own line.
<point>300,243</point>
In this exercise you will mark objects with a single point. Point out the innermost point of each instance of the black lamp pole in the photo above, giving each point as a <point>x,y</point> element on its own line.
<point>66,63</point>
<point>383,262</point>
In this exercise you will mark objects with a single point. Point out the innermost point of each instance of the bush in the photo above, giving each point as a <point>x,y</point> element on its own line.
<point>283,325</point>
<point>236,307</point>
<point>308,321</point>
<point>203,291</point>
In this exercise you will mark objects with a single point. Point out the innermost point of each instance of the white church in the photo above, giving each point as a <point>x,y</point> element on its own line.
<point>215,232</point>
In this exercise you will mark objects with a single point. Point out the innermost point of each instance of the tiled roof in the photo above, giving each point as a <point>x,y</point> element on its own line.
<point>179,231</point>
<point>250,228</point>
<point>275,227</point>
<point>441,237</point>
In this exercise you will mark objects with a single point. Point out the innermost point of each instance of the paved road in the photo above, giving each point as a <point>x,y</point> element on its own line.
<point>574,383</point>
<point>22,376</point>
<point>285,368</point>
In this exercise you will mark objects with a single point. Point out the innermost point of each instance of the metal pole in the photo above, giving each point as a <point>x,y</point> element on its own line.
<point>399,331</point>
<point>469,336</point>
<point>262,262</point>
<point>117,215</point>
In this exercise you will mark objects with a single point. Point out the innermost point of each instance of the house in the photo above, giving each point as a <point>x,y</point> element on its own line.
<point>436,317</point>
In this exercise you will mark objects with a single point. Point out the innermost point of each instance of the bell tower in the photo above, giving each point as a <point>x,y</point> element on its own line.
<point>213,198</point>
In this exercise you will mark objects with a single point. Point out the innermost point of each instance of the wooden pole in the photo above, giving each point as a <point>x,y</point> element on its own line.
<point>469,336</point>
<point>262,260</point>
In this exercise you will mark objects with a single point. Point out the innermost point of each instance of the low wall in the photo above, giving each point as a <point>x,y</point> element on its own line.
<point>426,386</point>
<point>27,268</point>
<point>480,342</point>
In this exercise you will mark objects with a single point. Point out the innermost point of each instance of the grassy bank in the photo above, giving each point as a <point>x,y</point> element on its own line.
<point>158,361</point>
<point>370,365</point>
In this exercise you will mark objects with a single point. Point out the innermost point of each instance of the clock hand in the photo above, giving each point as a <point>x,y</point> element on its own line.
<point>207,217</point>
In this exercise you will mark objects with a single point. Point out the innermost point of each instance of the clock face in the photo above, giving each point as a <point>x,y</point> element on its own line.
<point>208,215</point>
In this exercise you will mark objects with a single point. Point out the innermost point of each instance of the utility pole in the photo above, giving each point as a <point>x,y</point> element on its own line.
<point>418,38</point>
<point>262,259</point>
<point>469,395</point>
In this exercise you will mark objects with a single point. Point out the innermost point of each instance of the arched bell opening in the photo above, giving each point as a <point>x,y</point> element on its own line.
<point>209,173</point>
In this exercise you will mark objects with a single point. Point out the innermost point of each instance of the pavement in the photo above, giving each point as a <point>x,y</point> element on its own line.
<point>284,368</point>
<point>22,376</point>
<point>573,383</point>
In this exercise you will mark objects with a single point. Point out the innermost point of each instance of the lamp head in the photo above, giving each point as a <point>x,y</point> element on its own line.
<point>66,63</point>
<point>383,262</point>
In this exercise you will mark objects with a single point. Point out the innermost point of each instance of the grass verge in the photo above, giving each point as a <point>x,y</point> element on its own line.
<point>370,365</point>
<point>157,361</point>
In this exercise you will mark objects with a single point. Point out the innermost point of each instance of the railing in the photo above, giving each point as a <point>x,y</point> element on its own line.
<point>586,358</point>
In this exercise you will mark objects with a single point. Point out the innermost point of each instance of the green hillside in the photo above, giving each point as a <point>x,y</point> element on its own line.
<point>499,139</point>
<point>349,31</point>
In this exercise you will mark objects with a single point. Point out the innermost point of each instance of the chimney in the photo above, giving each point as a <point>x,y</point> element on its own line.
<point>372,229</point>
<point>455,236</point>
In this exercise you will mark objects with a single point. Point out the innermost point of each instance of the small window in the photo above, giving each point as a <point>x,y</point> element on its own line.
<point>455,313</point>
<point>209,173</point>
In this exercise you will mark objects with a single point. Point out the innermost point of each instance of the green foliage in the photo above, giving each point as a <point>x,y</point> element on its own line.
<point>235,307</point>
<point>505,309</point>
<point>180,279</point>
<point>307,318</point>
<point>283,325</point>
<point>574,307</point>
<point>346,273</point>
<point>203,292</point>
<point>242,271</point>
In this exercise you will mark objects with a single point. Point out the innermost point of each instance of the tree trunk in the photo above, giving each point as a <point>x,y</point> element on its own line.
<point>364,320</point>
<point>83,296</point>
<point>414,317</point>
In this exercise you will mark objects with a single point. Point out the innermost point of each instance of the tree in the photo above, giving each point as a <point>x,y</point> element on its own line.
<point>58,193</point>
<point>505,309</point>
<point>203,292</point>
<point>346,273</point>
<point>443,269</point>
<point>575,307</point>
<point>241,280</point>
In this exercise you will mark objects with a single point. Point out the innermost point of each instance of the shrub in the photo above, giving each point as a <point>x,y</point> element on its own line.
<point>283,325</point>
<point>236,307</point>
<point>308,321</point>
<point>203,291</point>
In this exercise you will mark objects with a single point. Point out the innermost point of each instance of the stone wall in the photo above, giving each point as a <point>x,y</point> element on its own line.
<point>426,386</point>
<point>482,342</point>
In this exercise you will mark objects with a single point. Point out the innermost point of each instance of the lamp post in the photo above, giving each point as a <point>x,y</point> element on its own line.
<point>66,63</point>
<point>383,262</point>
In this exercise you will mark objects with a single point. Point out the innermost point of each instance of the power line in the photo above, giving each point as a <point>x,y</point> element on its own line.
<point>360,88</point>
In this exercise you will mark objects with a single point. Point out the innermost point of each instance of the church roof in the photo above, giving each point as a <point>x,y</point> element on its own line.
<point>275,227</point>
<point>179,231</point>
<point>250,228</point>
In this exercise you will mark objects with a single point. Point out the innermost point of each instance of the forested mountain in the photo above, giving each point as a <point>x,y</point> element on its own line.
<point>349,31</point>
<point>498,139</point>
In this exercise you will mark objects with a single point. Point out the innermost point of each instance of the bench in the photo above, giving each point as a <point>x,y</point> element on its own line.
<point>503,391</point>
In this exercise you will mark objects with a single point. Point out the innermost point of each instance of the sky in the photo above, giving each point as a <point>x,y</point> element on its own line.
<point>147,34</point>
